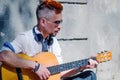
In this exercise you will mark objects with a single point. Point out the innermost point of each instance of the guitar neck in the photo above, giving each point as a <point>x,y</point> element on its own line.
<point>66,66</point>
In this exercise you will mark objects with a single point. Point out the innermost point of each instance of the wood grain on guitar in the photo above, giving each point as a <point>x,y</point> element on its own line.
<point>50,61</point>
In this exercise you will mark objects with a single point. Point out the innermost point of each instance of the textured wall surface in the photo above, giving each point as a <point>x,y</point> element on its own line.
<point>98,20</point>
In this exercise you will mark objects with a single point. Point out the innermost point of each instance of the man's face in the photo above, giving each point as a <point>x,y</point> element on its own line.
<point>53,24</point>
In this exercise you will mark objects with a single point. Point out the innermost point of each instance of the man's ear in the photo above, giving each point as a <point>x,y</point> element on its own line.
<point>42,22</point>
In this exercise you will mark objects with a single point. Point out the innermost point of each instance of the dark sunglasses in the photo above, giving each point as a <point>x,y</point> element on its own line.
<point>58,22</point>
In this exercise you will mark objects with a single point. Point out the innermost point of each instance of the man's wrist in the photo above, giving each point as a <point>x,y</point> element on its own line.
<point>37,66</point>
<point>79,70</point>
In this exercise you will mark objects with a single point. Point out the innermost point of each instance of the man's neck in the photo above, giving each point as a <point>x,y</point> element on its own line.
<point>43,32</point>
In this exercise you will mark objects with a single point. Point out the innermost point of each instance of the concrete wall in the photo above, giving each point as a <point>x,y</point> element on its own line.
<point>98,21</point>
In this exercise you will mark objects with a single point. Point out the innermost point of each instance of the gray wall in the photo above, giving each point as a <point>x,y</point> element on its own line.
<point>98,21</point>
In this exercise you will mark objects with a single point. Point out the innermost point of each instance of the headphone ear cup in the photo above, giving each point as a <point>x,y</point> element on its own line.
<point>50,41</point>
<point>39,37</point>
<point>35,37</point>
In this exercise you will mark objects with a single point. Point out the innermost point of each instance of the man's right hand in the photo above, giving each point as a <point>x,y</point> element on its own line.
<point>43,73</point>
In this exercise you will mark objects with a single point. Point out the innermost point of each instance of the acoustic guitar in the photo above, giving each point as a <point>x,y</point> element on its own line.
<point>49,60</point>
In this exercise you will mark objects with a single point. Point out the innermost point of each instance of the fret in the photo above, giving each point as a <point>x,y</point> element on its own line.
<point>84,62</point>
<point>52,69</point>
<point>64,67</point>
<point>79,64</point>
<point>69,66</point>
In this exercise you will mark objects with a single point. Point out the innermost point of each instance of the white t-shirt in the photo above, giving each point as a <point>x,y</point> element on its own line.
<point>26,43</point>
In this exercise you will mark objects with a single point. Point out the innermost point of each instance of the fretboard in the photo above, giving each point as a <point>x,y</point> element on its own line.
<point>66,66</point>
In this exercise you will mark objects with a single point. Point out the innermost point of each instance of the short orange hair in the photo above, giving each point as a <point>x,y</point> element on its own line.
<point>52,5</point>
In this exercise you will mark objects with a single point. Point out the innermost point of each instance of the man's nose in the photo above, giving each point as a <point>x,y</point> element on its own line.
<point>59,27</point>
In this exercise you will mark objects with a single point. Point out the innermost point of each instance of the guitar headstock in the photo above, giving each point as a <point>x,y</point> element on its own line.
<point>104,56</point>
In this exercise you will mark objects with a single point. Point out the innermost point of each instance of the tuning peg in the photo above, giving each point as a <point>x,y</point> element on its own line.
<point>105,51</point>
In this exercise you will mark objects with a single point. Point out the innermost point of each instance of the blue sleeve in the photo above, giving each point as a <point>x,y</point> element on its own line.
<point>8,45</point>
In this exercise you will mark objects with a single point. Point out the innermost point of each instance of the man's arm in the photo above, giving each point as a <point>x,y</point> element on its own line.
<point>11,59</point>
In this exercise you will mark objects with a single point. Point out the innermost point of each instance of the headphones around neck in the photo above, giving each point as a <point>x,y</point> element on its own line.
<point>39,38</point>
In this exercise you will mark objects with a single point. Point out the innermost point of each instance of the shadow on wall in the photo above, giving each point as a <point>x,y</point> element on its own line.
<point>4,24</point>
<point>15,16</point>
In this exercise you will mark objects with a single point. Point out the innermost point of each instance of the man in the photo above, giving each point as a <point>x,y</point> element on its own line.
<point>41,39</point>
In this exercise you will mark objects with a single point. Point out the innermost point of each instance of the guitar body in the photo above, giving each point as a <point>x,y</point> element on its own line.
<point>47,59</point>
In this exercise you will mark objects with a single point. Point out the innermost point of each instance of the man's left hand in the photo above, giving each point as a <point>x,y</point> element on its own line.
<point>92,63</point>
